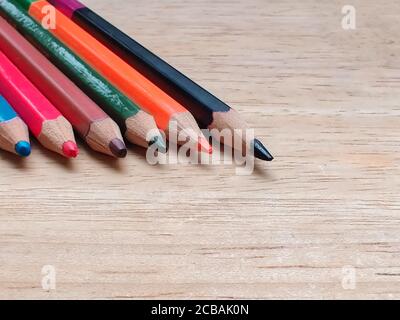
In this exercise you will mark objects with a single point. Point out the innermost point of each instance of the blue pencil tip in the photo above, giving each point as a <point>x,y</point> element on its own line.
<point>23,148</point>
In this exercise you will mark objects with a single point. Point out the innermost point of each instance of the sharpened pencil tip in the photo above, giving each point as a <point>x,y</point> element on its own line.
<point>23,148</point>
<point>70,149</point>
<point>118,148</point>
<point>261,152</point>
<point>204,146</point>
<point>160,143</point>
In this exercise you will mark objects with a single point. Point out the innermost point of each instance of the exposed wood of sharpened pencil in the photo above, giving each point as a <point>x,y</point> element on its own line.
<point>57,135</point>
<point>85,116</point>
<point>182,126</point>
<point>237,137</point>
<point>208,110</point>
<point>137,128</point>
<point>104,136</point>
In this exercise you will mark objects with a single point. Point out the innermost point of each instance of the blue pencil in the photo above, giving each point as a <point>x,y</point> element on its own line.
<point>14,134</point>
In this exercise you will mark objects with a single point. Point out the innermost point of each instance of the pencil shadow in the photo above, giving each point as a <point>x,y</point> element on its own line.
<point>204,165</point>
<point>103,159</point>
<point>23,163</point>
<point>139,151</point>
<point>141,154</point>
<point>66,163</point>
<point>16,161</point>
<point>262,170</point>
<point>190,158</point>
<point>179,158</point>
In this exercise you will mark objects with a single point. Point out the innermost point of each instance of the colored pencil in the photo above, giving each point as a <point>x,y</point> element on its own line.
<point>45,122</point>
<point>93,124</point>
<point>208,110</point>
<point>135,123</point>
<point>14,134</point>
<point>168,113</point>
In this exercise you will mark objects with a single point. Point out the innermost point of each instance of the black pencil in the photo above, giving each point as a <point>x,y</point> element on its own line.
<point>209,111</point>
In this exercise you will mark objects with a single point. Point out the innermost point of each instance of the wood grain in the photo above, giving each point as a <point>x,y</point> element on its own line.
<point>326,102</point>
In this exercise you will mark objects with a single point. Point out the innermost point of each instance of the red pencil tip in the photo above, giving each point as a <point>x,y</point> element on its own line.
<point>203,145</point>
<point>70,149</point>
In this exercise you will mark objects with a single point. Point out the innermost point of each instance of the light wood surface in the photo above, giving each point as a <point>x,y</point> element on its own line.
<point>327,103</point>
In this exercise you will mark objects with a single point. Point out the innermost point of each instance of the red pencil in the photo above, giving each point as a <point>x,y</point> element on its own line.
<point>45,122</point>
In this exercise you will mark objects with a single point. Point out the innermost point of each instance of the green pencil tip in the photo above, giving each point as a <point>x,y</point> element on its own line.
<point>160,143</point>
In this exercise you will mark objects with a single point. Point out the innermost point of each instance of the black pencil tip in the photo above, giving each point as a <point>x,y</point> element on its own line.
<point>261,152</point>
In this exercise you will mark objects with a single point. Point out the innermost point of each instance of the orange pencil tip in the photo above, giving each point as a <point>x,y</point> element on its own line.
<point>204,146</point>
<point>70,149</point>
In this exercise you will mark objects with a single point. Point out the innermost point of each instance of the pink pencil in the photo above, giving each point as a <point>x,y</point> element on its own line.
<point>46,123</point>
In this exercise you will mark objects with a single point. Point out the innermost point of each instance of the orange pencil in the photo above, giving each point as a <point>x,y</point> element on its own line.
<point>46,123</point>
<point>170,115</point>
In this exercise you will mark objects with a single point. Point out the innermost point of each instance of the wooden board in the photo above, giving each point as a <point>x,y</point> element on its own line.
<point>321,221</point>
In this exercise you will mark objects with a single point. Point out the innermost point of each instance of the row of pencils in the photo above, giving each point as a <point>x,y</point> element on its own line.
<point>85,74</point>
